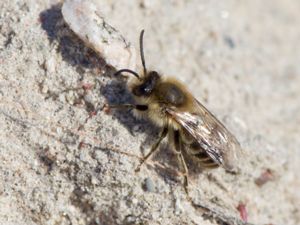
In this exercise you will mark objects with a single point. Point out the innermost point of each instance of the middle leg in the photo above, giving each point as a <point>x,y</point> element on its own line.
<point>154,147</point>
<point>179,148</point>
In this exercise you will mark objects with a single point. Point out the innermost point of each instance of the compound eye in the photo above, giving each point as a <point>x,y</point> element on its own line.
<point>146,88</point>
<point>138,91</point>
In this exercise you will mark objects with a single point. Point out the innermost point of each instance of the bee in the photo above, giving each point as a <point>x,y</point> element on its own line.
<point>189,126</point>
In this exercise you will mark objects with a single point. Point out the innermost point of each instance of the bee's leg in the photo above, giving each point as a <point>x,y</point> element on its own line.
<point>178,148</point>
<point>154,147</point>
<point>130,106</point>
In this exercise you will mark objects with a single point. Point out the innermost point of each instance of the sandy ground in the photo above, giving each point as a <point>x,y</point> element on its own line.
<point>63,164</point>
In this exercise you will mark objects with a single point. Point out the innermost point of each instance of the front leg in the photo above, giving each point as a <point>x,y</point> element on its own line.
<point>130,106</point>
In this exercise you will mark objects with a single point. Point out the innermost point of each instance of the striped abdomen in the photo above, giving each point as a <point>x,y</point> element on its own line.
<point>201,156</point>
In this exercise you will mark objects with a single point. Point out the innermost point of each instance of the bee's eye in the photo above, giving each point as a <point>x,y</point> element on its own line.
<point>138,91</point>
<point>146,88</point>
<point>142,90</point>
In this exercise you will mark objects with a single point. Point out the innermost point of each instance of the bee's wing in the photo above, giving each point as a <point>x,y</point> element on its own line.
<point>210,133</point>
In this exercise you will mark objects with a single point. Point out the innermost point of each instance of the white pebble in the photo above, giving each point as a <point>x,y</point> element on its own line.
<point>51,65</point>
<point>178,207</point>
<point>134,201</point>
<point>86,19</point>
<point>150,185</point>
<point>94,180</point>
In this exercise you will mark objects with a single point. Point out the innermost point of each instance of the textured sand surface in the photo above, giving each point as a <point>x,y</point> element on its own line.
<point>61,163</point>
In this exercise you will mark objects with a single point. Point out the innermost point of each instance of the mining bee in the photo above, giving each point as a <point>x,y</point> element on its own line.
<point>190,127</point>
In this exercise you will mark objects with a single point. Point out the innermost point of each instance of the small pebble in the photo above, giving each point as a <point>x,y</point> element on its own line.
<point>134,201</point>
<point>136,128</point>
<point>229,41</point>
<point>50,65</point>
<point>45,89</point>
<point>178,207</point>
<point>94,180</point>
<point>149,185</point>
<point>243,211</point>
<point>265,177</point>
<point>130,219</point>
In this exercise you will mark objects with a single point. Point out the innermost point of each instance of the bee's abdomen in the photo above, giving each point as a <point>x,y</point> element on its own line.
<point>202,157</point>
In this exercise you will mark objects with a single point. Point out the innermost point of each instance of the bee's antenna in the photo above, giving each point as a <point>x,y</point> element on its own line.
<point>142,51</point>
<point>128,71</point>
<point>142,58</point>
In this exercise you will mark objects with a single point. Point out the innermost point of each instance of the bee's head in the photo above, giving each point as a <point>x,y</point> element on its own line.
<point>147,84</point>
<point>148,81</point>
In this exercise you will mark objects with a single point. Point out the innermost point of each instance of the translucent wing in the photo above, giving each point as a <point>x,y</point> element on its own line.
<point>210,133</point>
